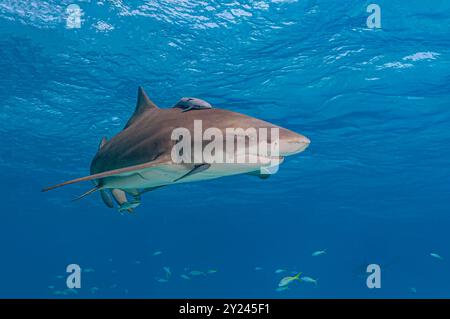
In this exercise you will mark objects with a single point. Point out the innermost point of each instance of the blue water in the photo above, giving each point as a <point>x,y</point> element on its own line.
<point>373,187</point>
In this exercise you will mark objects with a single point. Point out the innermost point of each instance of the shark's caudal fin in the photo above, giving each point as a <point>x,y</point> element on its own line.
<point>143,104</point>
<point>119,171</point>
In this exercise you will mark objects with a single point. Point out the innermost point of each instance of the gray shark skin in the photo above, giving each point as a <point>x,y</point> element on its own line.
<point>138,159</point>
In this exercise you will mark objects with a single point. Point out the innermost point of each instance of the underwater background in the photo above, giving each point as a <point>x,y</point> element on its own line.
<point>372,188</point>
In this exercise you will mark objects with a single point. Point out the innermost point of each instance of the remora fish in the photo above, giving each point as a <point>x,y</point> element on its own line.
<point>138,159</point>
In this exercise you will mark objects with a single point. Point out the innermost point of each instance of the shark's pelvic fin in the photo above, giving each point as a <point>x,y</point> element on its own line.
<point>106,198</point>
<point>143,104</point>
<point>113,172</point>
<point>89,192</point>
<point>119,196</point>
<point>197,169</point>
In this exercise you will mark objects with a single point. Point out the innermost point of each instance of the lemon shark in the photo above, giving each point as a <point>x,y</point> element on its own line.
<point>140,158</point>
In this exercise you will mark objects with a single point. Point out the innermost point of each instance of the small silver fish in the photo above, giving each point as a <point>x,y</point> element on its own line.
<point>258,268</point>
<point>88,270</point>
<point>196,273</point>
<point>282,288</point>
<point>319,252</point>
<point>167,271</point>
<point>72,291</point>
<point>309,279</point>
<point>211,271</point>
<point>185,277</point>
<point>279,271</point>
<point>161,280</point>
<point>94,290</point>
<point>437,256</point>
<point>157,253</point>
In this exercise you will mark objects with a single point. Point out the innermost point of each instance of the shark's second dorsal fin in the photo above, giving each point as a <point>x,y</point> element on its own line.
<point>143,104</point>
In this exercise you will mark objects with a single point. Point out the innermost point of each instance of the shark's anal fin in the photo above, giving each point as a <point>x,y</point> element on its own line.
<point>106,198</point>
<point>195,170</point>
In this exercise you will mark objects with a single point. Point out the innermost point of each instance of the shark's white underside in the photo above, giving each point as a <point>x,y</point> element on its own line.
<point>165,174</point>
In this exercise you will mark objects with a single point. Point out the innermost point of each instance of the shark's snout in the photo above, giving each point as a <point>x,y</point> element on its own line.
<point>292,143</point>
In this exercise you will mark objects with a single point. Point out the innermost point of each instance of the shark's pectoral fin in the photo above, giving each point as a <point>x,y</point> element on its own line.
<point>114,172</point>
<point>106,198</point>
<point>198,168</point>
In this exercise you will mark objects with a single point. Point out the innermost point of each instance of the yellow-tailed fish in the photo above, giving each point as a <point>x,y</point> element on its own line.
<point>288,279</point>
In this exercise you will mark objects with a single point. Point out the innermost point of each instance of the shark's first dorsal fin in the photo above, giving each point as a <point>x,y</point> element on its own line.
<point>143,104</point>
<point>102,142</point>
